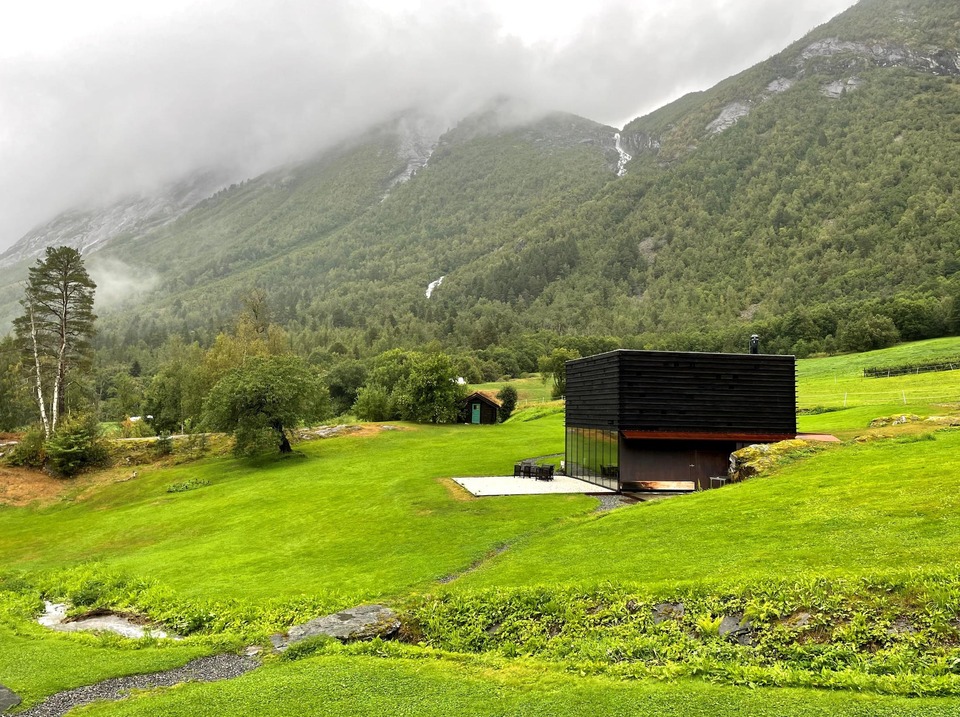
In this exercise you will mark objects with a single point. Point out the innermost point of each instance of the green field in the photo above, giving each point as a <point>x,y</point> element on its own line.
<point>374,517</point>
<point>356,518</point>
<point>370,687</point>
<point>531,389</point>
<point>837,383</point>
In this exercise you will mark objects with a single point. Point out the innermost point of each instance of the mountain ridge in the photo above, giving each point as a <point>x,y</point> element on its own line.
<point>820,182</point>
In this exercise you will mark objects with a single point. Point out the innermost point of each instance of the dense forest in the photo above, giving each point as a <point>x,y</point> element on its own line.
<point>824,217</point>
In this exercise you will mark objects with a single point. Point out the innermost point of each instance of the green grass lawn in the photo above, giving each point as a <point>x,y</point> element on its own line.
<point>361,517</point>
<point>886,505</point>
<point>532,389</point>
<point>37,665</point>
<point>838,382</point>
<point>371,687</point>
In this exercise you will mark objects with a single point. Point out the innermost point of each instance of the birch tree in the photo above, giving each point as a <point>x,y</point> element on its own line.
<point>55,328</point>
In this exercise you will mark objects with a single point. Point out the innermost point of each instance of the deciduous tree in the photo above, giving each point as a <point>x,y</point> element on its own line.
<point>266,394</point>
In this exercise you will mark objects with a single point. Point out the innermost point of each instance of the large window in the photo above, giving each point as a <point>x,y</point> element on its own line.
<point>593,455</point>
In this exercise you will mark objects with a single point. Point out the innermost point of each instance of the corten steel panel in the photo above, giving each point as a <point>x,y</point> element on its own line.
<point>677,392</point>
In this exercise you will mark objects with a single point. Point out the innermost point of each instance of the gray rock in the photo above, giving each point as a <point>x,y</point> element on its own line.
<point>364,622</point>
<point>729,116</point>
<point>8,699</point>
<point>801,619</point>
<point>736,627</point>
<point>667,611</point>
<point>901,626</point>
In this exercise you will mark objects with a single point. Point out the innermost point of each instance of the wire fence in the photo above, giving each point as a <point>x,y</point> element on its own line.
<point>913,369</point>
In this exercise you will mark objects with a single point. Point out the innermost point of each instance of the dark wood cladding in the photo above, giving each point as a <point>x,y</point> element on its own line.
<point>667,391</point>
<point>593,391</point>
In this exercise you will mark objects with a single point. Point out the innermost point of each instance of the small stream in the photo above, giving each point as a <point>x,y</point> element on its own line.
<point>55,617</point>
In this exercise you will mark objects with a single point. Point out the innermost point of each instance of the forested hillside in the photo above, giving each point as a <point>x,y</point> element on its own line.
<point>811,199</point>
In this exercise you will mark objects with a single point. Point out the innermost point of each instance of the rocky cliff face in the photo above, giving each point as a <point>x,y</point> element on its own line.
<point>91,229</point>
<point>839,59</point>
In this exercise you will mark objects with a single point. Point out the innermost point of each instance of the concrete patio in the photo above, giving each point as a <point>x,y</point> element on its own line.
<point>511,485</point>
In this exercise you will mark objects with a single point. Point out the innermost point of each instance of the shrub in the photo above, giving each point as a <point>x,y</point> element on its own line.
<point>508,401</point>
<point>136,429</point>
<point>163,446</point>
<point>75,446</point>
<point>29,451</point>
<point>374,404</point>
<point>187,485</point>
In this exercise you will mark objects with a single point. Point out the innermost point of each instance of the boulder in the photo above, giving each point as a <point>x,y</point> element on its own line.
<point>8,699</point>
<point>898,420</point>
<point>737,628</point>
<point>761,458</point>
<point>667,611</point>
<point>364,622</point>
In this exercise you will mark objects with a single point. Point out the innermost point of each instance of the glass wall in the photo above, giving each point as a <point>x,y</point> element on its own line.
<point>593,455</point>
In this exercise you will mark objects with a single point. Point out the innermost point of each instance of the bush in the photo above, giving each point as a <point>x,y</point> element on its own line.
<point>374,404</point>
<point>508,401</point>
<point>187,485</point>
<point>29,451</point>
<point>163,446</point>
<point>136,429</point>
<point>76,445</point>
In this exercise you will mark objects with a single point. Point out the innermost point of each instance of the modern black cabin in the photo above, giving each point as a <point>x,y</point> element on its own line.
<point>479,408</point>
<point>667,420</point>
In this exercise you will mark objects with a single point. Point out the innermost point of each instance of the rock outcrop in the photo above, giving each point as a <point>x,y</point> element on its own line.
<point>8,699</point>
<point>364,622</point>
<point>761,458</point>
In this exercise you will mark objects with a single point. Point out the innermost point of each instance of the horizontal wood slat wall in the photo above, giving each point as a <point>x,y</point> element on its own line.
<point>681,391</point>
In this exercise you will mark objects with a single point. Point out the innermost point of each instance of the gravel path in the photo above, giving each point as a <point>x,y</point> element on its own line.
<point>205,669</point>
<point>609,501</point>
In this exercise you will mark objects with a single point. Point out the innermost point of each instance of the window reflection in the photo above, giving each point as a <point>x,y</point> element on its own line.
<point>593,455</point>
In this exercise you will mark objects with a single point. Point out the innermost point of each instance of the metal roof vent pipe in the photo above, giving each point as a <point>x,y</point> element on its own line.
<point>755,344</point>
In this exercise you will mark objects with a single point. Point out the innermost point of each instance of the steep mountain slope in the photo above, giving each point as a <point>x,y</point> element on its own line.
<point>341,244</point>
<point>812,198</point>
<point>88,230</point>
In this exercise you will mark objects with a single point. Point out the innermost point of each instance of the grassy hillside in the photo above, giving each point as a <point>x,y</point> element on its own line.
<point>882,506</point>
<point>849,401</point>
<point>367,686</point>
<point>355,518</point>
<point>370,516</point>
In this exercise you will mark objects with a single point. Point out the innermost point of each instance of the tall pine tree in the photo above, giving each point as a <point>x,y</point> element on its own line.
<point>56,328</point>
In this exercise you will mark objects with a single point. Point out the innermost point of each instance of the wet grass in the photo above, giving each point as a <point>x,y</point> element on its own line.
<point>367,686</point>
<point>363,517</point>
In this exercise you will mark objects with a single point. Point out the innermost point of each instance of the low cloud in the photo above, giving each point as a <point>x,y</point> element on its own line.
<point>118,282</point>
<point>248,86</point>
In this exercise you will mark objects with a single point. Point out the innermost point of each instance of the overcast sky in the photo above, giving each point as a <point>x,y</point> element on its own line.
<point>104,97</point>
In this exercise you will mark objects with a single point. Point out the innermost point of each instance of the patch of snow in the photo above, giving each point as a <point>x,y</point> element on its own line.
<point>729,116</point>
<point>624,157</point>
<point>433,285</point>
